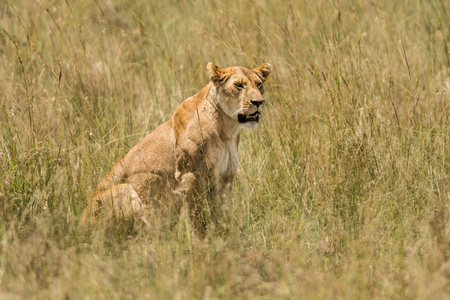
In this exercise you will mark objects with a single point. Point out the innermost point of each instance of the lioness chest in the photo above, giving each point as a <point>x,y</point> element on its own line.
<point>225,160</point>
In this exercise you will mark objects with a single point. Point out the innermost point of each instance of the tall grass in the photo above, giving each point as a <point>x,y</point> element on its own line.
<point>343,192</point>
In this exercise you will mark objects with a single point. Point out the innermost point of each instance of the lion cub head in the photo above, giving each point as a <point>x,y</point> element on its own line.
<point>240,92</point>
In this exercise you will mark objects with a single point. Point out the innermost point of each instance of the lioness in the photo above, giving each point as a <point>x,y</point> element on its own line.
<point>195,151</point>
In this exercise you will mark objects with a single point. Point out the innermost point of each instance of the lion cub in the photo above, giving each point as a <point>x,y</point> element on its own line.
<point>195,152</point>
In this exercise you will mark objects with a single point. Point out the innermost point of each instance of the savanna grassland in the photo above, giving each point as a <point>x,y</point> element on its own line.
<point>343,191</point>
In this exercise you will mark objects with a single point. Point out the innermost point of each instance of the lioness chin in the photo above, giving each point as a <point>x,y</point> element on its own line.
<point>194,152</point>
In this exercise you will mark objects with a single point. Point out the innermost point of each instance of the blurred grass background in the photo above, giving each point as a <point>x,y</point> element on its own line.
<point>343,192</point>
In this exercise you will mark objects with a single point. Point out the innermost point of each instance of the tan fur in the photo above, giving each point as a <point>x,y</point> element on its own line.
<point>194,150</point>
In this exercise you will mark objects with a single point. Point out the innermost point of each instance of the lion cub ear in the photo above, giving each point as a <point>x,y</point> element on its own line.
<point>217,75</point>
<point>263,70</point>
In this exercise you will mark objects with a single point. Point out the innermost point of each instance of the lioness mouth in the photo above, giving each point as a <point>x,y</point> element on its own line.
<point>249,117</point>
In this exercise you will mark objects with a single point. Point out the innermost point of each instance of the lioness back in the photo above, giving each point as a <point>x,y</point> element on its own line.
<point>152,156</point>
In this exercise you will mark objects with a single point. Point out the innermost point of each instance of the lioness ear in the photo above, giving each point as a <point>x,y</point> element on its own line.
<point>263,70</point>
<point>217,75</point>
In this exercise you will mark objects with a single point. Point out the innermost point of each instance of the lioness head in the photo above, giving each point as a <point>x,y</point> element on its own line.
<point>240,92</point>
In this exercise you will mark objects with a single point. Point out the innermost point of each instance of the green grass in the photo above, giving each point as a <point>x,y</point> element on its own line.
<point>343,192</point>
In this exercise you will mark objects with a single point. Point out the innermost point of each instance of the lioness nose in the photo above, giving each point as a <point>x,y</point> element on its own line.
<point>257,102</point>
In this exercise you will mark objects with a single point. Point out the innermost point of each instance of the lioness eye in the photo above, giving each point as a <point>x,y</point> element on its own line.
<point>239,85</point>
<point>259,84</point>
